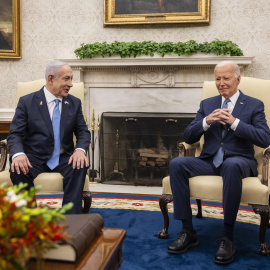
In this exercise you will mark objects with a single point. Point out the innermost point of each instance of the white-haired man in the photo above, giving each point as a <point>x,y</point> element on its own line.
<point>231,123</point>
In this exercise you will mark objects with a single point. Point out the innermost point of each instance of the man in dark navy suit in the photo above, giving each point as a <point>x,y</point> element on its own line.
<point>231,124</point>
<point>41,135</point>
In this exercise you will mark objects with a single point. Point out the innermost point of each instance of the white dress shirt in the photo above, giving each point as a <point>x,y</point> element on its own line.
<point>50,101</point>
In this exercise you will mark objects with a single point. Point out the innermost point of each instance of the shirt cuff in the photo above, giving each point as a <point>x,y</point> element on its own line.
<point>235,124</point>
<point>18,154</point>
<point>81,149</point>
<point>205,125</point>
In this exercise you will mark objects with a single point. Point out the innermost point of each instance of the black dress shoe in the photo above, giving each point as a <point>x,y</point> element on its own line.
<point>225,251</point>
<point>185,241</point>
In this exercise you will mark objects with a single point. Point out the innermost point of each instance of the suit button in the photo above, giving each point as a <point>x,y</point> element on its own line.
<point>222,143</point>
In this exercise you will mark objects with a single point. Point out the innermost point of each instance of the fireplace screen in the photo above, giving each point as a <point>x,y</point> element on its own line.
<point>136,147</point>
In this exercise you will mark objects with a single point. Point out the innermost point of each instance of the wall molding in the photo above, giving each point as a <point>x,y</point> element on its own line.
<point>6,115</point>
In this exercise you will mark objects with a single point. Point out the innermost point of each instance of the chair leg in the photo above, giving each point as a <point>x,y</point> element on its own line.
<point>199,204</point>
<point>163,201</point>
<point>87,200</point>
<point>263,211</point>
<point>269,214</point>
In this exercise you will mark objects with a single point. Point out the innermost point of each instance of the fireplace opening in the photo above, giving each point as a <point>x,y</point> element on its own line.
<point>136,147</point>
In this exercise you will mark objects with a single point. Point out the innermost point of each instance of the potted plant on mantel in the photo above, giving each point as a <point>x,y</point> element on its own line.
<point>151,48</point>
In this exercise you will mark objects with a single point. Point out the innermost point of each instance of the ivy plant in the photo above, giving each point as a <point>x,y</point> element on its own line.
<point>133,49</point>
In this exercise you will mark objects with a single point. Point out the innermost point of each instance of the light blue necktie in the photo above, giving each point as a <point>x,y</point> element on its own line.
<point>218,158</point>
<point>54,160</point>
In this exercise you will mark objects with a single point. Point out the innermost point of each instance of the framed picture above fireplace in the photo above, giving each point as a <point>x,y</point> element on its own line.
<point>119,12</point>
<point>10,29</point>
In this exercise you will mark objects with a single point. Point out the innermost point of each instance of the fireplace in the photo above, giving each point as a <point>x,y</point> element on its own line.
<point>156,85</point>
<point>136,147</point>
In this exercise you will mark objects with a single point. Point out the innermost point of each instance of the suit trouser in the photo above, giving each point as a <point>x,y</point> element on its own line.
<point>73,181</point>
<point>232,170</point>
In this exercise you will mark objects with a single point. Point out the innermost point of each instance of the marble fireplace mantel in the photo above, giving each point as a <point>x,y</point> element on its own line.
<point>168,60</point>
<point>144,83</point>
<point>148,84</point>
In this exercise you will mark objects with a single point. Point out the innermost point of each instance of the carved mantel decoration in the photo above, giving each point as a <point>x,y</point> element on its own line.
<point>136,84</point>
<point>153,77</point>
<point>167,64</point>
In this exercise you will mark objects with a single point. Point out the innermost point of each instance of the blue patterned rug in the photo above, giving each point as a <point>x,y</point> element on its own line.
<point>150,203</point>
<point>142,249</point>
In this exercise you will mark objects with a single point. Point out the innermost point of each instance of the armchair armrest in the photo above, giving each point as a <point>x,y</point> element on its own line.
<point>265,166</point>
<point>183,147</point>
<point>3,155</point>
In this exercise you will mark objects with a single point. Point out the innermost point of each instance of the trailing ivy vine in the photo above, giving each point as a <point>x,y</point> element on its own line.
<point>132,49</point>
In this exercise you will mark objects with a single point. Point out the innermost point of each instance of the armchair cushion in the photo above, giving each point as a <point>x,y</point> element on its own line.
<point>53,182</point>
<point>5,178</point>
<point>49,182</point>
<point>209,188</point>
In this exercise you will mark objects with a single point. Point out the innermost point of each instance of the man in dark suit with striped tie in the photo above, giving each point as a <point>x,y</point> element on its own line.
<point>41,135</point>
<point>231,124</point>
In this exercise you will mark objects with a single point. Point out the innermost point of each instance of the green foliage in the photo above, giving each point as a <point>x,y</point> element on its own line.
<point>132,49</point>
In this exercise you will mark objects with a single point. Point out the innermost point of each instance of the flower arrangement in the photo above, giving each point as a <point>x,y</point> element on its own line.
<point>26,230</point>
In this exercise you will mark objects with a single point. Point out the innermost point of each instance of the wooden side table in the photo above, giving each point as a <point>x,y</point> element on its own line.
<point>4,127</point>
<point>104,253</point>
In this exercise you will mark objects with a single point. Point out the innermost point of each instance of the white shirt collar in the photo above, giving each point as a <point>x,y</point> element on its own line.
<point>49,96</point>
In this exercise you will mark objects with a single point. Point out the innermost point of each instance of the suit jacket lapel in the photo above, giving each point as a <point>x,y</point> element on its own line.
<point>215,103</point>
<point>64,115</point>
<point>240,104</point>
<point>43,108</point>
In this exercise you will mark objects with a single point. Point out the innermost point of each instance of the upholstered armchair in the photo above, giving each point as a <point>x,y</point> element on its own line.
<point>255,190</point>
<point>49,182</point>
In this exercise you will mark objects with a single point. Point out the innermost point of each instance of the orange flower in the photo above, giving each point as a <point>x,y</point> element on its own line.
<point>25,228</point>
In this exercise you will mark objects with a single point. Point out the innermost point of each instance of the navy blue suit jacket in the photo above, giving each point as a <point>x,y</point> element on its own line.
<point>251,130</point>
<point>31,129</point>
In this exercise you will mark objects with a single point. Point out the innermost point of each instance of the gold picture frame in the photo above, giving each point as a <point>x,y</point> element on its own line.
<point>121,12</point>
<point>10,29</point>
